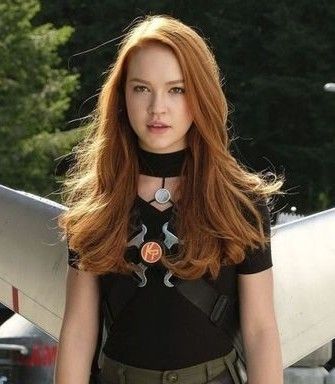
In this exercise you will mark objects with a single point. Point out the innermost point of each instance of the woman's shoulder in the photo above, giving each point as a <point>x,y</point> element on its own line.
<point>259,259</point>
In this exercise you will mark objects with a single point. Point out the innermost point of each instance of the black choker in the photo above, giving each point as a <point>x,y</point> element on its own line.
<point>161,164</point>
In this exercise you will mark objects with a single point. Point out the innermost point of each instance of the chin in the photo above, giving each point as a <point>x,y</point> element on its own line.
<point>158,148</point>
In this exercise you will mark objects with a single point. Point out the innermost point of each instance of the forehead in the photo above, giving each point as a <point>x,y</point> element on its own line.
<point>153,60</point>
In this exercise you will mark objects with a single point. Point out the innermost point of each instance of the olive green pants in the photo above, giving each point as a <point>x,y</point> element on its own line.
<point>217,371</point>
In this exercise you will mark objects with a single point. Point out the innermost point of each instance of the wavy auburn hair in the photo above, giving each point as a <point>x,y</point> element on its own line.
<point>218,215</point>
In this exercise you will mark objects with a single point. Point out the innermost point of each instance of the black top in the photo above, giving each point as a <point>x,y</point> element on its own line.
<point>160,329</point>
<point>161,164</point>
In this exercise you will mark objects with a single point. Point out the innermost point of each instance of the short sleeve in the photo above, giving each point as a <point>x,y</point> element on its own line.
<point>72,258</point>
<point>258,260</point>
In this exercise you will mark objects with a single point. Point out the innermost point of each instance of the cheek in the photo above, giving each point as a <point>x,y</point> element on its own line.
<point>135,105</point>
<point>129,101</point>
<point>132,107</point>
<point>185,112</point>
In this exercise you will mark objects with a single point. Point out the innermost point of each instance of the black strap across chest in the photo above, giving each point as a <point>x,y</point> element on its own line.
<point>222,310</point>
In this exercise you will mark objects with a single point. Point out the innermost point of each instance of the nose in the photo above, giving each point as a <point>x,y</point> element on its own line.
<point>157,104</point>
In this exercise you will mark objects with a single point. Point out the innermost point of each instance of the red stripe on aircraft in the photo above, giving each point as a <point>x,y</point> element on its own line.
<point>15,295</point>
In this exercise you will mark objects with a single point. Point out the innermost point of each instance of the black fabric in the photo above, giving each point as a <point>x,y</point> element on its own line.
<point>160,329</point>
<point>161,164</point>
<point>257,260</point>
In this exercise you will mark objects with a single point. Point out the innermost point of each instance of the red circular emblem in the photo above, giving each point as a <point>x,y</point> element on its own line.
<point>151,252</point>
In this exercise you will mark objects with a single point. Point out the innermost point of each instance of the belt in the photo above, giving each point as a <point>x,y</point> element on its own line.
<point>114,372</point>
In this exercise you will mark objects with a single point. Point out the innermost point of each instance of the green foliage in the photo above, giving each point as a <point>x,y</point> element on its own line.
<point>42,155</point>
<point>277,57</point>
<point>274,56</point>
<point>103,22</point>
<point>34,91</point>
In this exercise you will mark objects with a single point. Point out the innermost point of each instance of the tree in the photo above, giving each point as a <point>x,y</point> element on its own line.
<point>278,55</point>
<point>275,57</point>
<point>34,91</point>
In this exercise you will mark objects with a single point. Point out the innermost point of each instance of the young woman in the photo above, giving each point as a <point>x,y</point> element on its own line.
<point>168,234</point>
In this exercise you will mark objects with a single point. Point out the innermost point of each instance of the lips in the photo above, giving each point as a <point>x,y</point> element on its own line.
<point>157,124</point>
<point>158,128</point>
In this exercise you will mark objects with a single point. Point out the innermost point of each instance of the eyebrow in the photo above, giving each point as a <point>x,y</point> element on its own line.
<point>135,79</point>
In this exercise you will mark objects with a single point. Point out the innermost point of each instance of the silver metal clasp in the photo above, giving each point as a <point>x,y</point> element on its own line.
<point>137,241</point>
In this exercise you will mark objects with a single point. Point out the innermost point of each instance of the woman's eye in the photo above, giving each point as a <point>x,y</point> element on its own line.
<point>178,90</point>
<point>139,88</point>
<point>142,88</point>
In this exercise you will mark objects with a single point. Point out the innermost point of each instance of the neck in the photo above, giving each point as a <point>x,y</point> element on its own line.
<point>161,164</point>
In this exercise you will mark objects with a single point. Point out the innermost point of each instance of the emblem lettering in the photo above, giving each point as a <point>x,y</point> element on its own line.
<point>151,252</point>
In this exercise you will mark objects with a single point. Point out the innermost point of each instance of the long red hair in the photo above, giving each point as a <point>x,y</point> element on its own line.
<point>218,215</point>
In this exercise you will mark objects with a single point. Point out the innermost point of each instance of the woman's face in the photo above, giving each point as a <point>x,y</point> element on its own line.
<point>155,95</point>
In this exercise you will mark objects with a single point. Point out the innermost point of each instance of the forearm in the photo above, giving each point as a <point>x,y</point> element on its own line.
<point>264,358</point>
<point>74,358</point>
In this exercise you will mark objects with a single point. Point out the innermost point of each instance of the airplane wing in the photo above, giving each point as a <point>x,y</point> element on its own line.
<point>303,253</point>
<point>33,260</point>
<point>33,264</point>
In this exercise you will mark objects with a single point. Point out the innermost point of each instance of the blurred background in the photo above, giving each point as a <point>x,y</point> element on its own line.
<point>275,58</point>
<point>277,64</point>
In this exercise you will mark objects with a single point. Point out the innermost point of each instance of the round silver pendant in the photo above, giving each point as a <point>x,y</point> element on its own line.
<point>162,196</point>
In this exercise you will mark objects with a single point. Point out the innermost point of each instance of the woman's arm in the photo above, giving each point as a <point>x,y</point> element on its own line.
<point>259,328</point>
<point>79,332</point>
